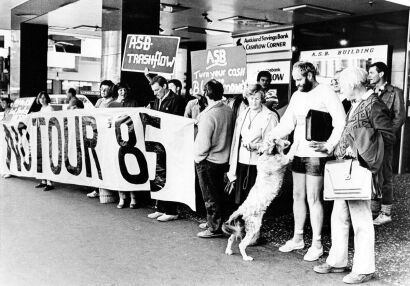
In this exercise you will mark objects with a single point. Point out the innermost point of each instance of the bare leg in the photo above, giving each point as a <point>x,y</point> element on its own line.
<point>228,250</point>
<point>314,186</point>
<point>299,205</point>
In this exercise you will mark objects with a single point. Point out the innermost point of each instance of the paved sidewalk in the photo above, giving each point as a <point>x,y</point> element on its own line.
<point>64,238</point>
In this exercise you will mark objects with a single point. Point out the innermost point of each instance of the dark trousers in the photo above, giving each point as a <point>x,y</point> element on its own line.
<point>211,181</point>
<point>169,208</point>
<point>387,170</point>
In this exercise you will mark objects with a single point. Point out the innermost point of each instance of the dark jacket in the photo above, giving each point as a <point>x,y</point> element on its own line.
<point>173,104</point>
<point>393,98</point>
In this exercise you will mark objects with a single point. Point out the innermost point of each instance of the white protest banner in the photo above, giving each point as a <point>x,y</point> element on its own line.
<point>124,149</point>
<point>157,53</point>
<point>226,65</point>
<point>266,43</point>
<point>279,70</point>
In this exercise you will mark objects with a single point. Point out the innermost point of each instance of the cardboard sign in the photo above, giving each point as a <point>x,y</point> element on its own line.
<point>280,71</point>
<point>19,109</point>
<point>226,65</point>
<point>119,149</point>
<point>266,43</point>
<point>157,53</point>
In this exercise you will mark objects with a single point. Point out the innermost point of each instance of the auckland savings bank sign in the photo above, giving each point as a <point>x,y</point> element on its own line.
<point>271,42</point>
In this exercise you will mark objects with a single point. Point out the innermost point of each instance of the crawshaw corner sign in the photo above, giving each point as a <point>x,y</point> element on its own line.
<point>226,65</point>
<point>265,43</point>
<point>157,53</point>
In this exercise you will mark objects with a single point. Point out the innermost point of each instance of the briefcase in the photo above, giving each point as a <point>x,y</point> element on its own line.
<point>347,180</point>
<point>318,125</point>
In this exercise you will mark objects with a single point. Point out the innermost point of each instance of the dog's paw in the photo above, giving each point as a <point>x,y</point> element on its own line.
<point>247,258</point>
<point>228,252</point>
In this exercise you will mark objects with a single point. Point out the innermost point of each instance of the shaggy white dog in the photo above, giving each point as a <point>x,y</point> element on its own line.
<point>247,219</point>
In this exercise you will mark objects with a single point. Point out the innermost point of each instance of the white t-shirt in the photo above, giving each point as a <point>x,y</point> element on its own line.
<point>321,98</point>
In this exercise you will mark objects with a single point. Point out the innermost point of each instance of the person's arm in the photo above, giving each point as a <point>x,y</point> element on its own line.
<point>287,123</point>
<point>147,75</point>
<point>203,140</point>
<point>398,110</point>
<point>336,110</point>
<point>188,109</point>
<point>381,121</point>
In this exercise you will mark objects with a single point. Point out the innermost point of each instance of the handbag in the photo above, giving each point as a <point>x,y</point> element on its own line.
<point>347,180</point>
<point>318,125</point>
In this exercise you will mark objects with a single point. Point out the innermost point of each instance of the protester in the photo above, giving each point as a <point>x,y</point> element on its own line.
<point>169,102</point>
<point>73,101</point>
<point>125,99</point>
<point>368,116</point>
<point>393,98</point>
<point>44,100</point>
<point>334,83</point>
<point>6,105</point>
<point>107,100</point>
<point>175,85</point>
<point>310,157</point>
<point>212,147</point>
<point>250,131</point>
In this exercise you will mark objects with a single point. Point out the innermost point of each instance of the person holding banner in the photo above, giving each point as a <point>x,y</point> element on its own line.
<point>126,100</point>
<point>6,106</point>
<point>212,148</point>
<point>169,102</point>
<point>310,156</point>
<point>44,100</point>
<point>107,99</point>
<point>251,129</point>
<point>73,101</point>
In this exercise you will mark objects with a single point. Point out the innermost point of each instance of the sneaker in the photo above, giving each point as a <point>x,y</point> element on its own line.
<point>41,185</point>
<point>209,234</point>
<point>354,278</point>
<point>203,225</point>
<point>291,245</point>
<point>93,194</point>
<point>382,219</point>
<point>120,205</point>
<point>313,253</point>
<point>48,188</point>
<point>167,217</point>
<point>6,176</point>
<point>155,215</point>
<point>326,268</point>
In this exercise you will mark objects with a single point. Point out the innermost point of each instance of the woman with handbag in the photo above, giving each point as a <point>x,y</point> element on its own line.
<point>368,115</point>
<point>251,128</point>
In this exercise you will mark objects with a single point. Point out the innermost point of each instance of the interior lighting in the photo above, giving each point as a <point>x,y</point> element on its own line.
<point>343,42</point>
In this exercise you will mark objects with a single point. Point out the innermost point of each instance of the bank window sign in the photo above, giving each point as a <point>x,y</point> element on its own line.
<point>266,43</point>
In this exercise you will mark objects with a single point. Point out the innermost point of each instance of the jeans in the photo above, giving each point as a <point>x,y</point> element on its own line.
<point>387,169</point>
<point>211,181</point>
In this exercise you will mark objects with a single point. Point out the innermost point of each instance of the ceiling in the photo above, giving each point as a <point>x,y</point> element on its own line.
<point>72,13</point>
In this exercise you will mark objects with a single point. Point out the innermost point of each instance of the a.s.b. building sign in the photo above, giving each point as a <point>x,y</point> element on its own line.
<point>226,65</point>
<point>266,43</point>
<point>157,53</point>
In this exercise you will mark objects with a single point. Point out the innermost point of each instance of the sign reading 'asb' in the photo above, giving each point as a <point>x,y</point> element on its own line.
<point>157,53</point>
<point>226,65</point>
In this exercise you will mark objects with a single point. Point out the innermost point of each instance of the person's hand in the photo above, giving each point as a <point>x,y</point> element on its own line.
<point>349,152</point>
<point>146,71</point>
<point>319,146</point>
<point>250,146</point>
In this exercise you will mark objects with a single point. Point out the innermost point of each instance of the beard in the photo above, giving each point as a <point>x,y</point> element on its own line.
<point>306,87</point>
